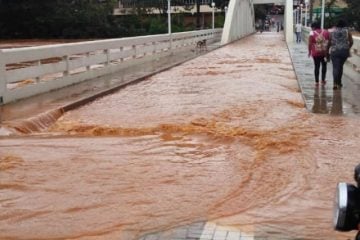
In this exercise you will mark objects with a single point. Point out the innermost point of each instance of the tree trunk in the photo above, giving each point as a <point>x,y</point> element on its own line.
<point>198,14</point>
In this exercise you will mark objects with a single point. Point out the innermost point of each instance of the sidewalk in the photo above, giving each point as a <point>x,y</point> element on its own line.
<point>238,183</point>
<point>323,99</point>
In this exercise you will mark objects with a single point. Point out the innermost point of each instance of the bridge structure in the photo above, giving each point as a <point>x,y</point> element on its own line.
<point>240,19</point>
<point>252,83</point>
<point>29,71</point>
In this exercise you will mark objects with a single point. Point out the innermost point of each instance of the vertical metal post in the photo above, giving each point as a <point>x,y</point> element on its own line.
<point>121,52</point>
<point>198,3</point>
<point>169,17</point>
<point>213,15</point>
<point>107,52</point>
<point>87,58</point>
<point>322,13</point>
<point>37,79</point>
<point>169,23</point>
<point>134,51</point>
<point>66,60</point>
<point>306,13</point>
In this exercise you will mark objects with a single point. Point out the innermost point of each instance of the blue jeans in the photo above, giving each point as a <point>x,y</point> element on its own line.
<point>298,37</point>
<point>338,59</point>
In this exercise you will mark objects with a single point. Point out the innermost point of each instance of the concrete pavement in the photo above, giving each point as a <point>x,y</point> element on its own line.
<point>323,99</point>
<point>76,95</point>
<point>317,99</point>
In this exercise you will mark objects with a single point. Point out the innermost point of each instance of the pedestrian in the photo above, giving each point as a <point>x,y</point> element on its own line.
<point>339,48</point>
<point>298,32</point>
<point>318,50</point>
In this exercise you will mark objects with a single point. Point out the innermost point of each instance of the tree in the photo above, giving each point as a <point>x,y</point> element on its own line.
<point>56,18</point>
<point>352,13</point>
<point>330,21</point>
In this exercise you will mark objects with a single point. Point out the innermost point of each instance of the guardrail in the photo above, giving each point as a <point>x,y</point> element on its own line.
<point>352,65</point>
<point>29,71</point>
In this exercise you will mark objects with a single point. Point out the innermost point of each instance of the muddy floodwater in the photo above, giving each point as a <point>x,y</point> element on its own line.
<point>223,138</point>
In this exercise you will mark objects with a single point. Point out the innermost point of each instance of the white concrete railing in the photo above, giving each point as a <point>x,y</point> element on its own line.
<point>29,71</point>
<point>352,65</point>
<point>239,20</point>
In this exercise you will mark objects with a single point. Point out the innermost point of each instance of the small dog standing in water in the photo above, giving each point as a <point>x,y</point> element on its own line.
<point>201,45</point>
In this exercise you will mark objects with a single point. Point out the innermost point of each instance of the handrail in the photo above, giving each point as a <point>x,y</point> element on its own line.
<point>29,71</point>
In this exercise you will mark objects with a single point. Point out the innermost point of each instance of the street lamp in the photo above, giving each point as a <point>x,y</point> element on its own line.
<point>322,13</point>
<point>306,13</point>
<point>301,13</point>
<point>169,17</point>
<point>297,15</point>
<point>213,15</point>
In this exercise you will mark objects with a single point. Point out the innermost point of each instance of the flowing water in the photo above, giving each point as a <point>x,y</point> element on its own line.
<point>223,138</point>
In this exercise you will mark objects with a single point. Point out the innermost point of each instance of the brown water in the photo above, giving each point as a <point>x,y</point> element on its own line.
<point>224,137</point>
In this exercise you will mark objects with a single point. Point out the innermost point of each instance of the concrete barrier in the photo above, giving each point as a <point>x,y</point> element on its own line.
<point>29,71</point>
<point>352,65</point>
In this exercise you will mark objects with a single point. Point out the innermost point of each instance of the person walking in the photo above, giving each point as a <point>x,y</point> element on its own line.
<point>340,43</point>
<point>318,50</point>
<point>298,32</point>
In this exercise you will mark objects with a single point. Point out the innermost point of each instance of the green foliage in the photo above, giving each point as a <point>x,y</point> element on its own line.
<point>352,13</point>
<point>157,26</point>
<point>219,21</point>
<point>260,11</point>
<point>87,19</point>
<point>221,3</point>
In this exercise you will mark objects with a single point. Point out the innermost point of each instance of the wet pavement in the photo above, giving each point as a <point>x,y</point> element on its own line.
<point>323,99</point>
<point>217,148</point>
<point>76,95</point>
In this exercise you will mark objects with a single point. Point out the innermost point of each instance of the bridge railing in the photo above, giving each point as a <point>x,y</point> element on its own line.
<point>352,65</point>
<point>29,71</point>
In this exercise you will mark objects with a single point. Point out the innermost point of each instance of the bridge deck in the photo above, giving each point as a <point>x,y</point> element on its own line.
<point>318,100</point>
<point>255,156</point>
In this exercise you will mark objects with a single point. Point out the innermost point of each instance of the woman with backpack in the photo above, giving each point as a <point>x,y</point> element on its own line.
<point>339,45</point>
<point>318,49</point>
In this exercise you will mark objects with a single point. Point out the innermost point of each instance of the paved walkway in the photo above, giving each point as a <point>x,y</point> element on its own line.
<point>317,99</point>
<point>323,99</point>
<point>73,96</point>
<point>202,231</point>
<point>320,100</point>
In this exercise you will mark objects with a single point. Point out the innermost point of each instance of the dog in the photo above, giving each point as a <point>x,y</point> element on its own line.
<point>201,45</point>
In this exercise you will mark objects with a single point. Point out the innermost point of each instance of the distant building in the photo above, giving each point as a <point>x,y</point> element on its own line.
<point>126,7</point>
<point>187,7</point>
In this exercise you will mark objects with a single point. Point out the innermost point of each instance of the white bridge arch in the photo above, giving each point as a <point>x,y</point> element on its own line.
<point>240,19</point>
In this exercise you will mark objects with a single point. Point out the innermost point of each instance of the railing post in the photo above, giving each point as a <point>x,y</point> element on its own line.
<point>154,48</point>
<point>121,51</point>
<point>88,67</point>
<point>3,82</point>
<point>107,52</point>
<point>66,59</point>
<point>134,49</point>
<point>37,79</point>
